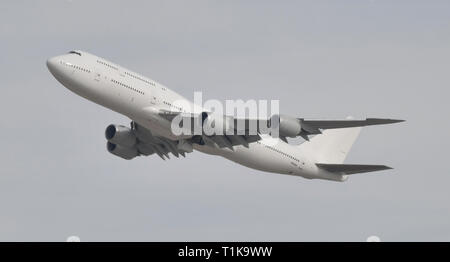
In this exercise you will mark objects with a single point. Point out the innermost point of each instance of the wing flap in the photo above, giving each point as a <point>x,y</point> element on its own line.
<point>149,144</point>
<point>349,169</point>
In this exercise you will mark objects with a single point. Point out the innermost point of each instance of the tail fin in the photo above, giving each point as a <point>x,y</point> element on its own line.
<point>332,146</point>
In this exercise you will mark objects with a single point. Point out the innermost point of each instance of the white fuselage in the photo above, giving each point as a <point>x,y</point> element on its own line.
<point>141,98</point>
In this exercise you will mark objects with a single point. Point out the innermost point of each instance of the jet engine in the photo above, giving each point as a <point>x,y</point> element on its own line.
<point>213,122</point>
<point>122,151</point>
<point>121,141</point>
<point>120,135</point>
<point>289,126</point>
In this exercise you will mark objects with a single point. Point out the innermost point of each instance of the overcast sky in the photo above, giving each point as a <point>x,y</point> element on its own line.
<point>321,59</point>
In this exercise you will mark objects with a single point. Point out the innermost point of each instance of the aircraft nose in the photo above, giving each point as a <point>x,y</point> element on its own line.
<point>52,64</point>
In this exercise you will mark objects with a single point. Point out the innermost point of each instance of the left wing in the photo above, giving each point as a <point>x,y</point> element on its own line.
<point>148,144</point>
<point>129,143</point>
<point>238,135</point>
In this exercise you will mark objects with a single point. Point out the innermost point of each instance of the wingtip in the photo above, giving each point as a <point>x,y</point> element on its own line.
<point>397,120</point>
<point>387,167</point>
<point>383,121</point>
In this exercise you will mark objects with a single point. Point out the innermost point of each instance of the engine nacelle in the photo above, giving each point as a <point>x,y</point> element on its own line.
<point>122,151</point>
<point>289,126</point>
<point>217,124</point>
<point>120,135</point>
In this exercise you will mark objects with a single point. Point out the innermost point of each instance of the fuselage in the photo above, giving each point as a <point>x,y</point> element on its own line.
<point>141,98</point>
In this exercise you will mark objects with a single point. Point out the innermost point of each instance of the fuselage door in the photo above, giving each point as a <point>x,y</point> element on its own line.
<point>153,99</point>
<point>97,75</point>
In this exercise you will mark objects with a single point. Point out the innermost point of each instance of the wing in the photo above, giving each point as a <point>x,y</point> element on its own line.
<point>285,126</point>
<point>351,169</point>
<point>293,127</point>
<point>239,135</point>
<point>148,144</point>
<point>330,124</point>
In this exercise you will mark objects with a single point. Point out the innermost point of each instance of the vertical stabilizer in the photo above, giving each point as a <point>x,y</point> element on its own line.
<point>332,146</point>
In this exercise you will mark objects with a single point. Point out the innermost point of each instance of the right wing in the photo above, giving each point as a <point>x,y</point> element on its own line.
<point>293,127</point>
<point>248,130</point>
<point>329,124</point>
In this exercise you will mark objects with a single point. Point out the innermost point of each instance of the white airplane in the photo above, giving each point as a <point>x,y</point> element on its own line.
<point>152,107</point>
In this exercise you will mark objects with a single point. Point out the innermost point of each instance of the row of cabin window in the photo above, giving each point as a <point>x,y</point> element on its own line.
<point>108,65</point>
<point>76,67</point>
<point>143,80</point>
<point>129,87</point>
<point>281,152</point>
<point>169,104</point>
<point>140,78</point>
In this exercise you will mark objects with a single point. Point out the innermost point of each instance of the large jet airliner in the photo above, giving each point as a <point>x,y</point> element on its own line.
<point>152,108</point>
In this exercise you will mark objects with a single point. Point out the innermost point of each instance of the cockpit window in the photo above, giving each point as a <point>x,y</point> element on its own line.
<point>75,52</point>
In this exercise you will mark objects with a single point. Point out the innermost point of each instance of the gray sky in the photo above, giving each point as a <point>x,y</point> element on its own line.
<point>319,58</point>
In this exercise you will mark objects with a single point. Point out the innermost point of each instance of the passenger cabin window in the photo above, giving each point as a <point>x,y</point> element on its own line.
<point>108,65</point>
<point>75,52</point>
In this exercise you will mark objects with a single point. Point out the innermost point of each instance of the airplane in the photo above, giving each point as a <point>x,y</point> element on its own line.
<point>152,107</point>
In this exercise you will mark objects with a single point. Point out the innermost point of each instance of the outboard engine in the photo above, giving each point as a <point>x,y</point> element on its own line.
<point>121,151</point>
<point>121,141</point>
<point>289,126</point>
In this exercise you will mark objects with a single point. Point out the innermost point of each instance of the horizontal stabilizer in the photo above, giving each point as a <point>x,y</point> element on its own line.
<point>351,169</point>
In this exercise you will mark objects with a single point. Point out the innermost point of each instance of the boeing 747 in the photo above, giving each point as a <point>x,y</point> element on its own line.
<point>153,108</point>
